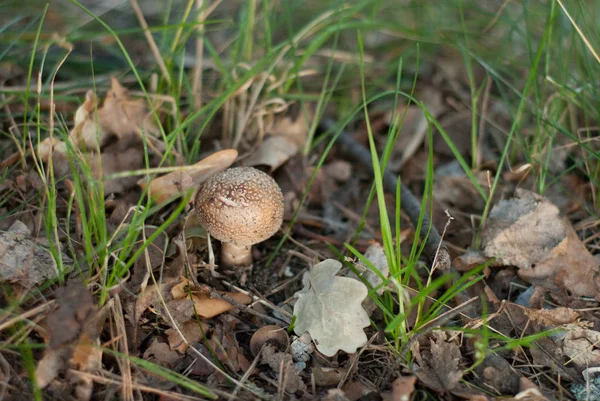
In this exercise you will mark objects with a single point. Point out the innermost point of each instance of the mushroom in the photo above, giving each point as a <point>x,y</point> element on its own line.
<point>240,207</point>
<point>273,335</point>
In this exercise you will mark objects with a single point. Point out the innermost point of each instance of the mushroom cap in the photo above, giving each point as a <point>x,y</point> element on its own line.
<point>242,205</point>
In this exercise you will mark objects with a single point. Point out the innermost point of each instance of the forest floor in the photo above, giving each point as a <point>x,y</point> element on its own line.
<point>434,232</point>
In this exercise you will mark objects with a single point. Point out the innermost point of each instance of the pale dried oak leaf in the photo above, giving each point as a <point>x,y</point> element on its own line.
<point>329,308</point>
<point>528,232</point>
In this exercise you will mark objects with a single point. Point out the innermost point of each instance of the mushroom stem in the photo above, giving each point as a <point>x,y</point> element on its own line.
<point>235,255</point>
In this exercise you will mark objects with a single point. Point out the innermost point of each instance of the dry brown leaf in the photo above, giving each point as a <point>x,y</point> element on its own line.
<point>527,232</point>
<point>438,366</point>
<point>71,331</point>
<point>403,387</point>
<point>551,318</point>
<point>175,183</point>
<point>192,330</point>
<point>338,170</point>
<point>273,152</point>
<point>282,364</point>
<point>88,133</point>
<point>547,352</point>
<point>355,389</point>
<point>226,347</point>
<point>335,394</point>
<point>50,366</point>
<point>162,354</point>
<point>414,126</point>
<point>207,307</point>
<point>287,136</point>
<point>123,116</point>
<point>496,373</point>
<point>117,161</point>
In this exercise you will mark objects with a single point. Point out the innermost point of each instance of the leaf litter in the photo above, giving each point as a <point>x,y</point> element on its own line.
<point>542,277</point>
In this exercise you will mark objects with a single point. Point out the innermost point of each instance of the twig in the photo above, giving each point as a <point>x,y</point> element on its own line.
<point>353,150</point>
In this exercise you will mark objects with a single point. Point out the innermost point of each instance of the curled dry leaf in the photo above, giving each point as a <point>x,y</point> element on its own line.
<point>122,119</point>
<point>329,309</point>
<point>288,135</point>
<point>123,116</point>
<point>174,184</point>
<point>88,133</point>
<point>527,232</point>
<point>183,301</point>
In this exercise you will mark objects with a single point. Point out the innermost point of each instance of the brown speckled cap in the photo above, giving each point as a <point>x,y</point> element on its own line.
<point>242,205</point>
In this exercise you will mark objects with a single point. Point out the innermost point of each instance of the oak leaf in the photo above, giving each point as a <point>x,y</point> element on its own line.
<point>329,308</point>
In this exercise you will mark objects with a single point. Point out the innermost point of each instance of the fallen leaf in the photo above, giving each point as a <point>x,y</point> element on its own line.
<point>438,366</point>
<point>287,136</point>
<point>75,310</point>
<point>414,126</point>
<point>225,345</point>
<point>273,152</point>
<point>123,116</point>
<point>376,255</point>
<point>551,318</point>
<point>88,134</point>
<point>192,330</point>
<point>162,354</point>
<point>204,305</point>
<point>22,260</point>
<point>355,389</point>
<point>527,232</point>
<point>581,346</point>
<point>207,307</point>
<point>116,161</point>
<point>496,373</point>
<point>174,184</point>
<point>329,308</point>
<point>71,331</point>
<point>339,170</point>
<point>283,365</point>
<point>403,387</point>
